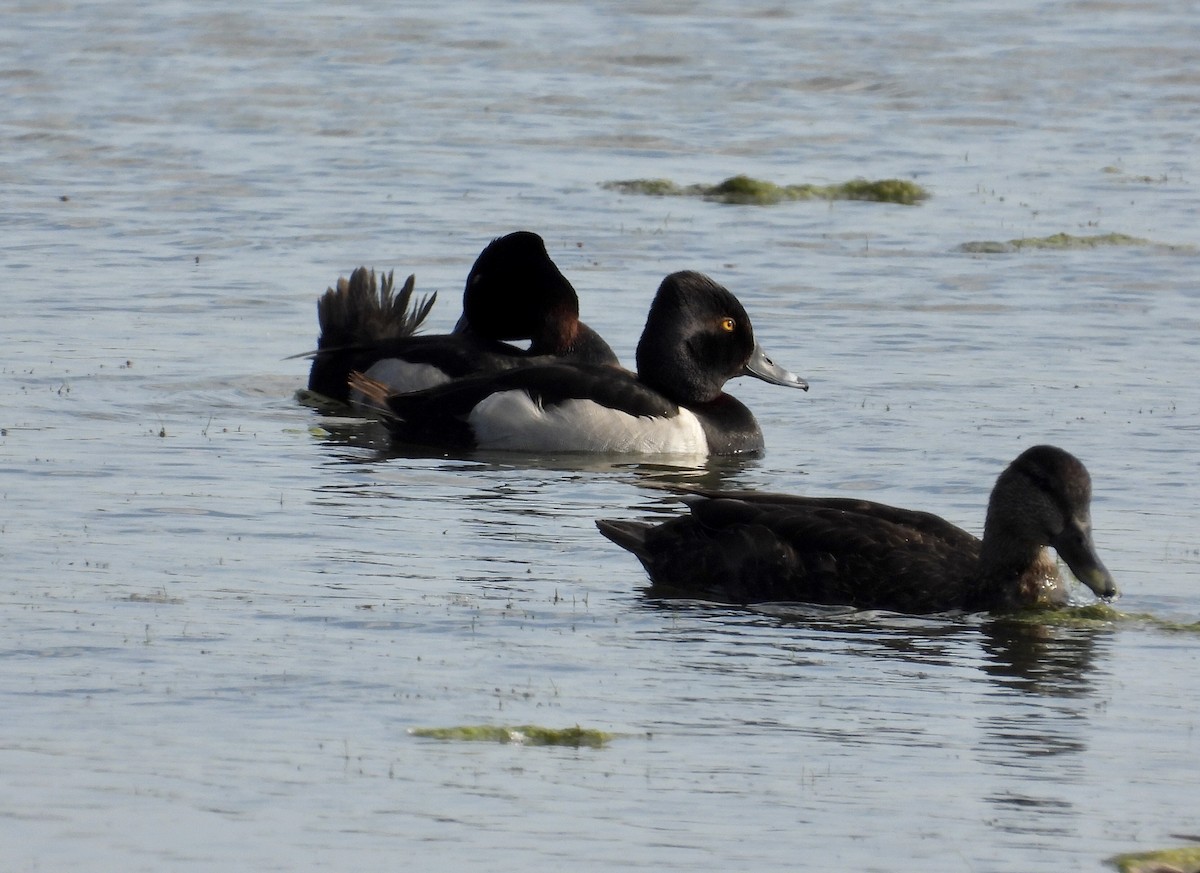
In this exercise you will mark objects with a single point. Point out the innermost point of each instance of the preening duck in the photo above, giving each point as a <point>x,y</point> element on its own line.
<point>697,337</point>
<point>513,292</point>
<point>747,547</point>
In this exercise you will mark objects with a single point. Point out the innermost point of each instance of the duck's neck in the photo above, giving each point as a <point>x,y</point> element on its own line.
<point>729,427</point>
<point>557,333</point>
<point>1013,575</point>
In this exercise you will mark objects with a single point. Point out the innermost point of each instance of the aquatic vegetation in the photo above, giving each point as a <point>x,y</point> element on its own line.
<point>651,187</point>
<point>1099,615</point>
<point>159,596</point>
<point>1185,860</point>
<point>1161,624</point>
<point>1067,241</point>
<point>746,190</point>
<point>1061,241</point>
<point>526,734</point>
<point>316,401</point>
<point>1091,615</point>
<point>1140,178</point>
<point>881,190</point>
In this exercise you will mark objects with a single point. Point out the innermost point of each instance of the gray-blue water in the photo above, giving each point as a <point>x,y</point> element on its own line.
<point>221,611</point>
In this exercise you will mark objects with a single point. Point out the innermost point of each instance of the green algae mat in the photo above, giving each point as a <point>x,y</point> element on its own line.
<point>526,734</point>
<point>745,190</point>
<point>1186,860</point>
<point>1063,242</point>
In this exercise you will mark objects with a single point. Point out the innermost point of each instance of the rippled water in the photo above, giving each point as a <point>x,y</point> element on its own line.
<point>223,609</point>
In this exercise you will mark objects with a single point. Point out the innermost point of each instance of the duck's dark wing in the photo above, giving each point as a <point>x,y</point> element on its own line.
<point>926,523</point>
<point>466,354</point>
<point>457,355</point>
<point>744,552</point>
<point>440,414</point>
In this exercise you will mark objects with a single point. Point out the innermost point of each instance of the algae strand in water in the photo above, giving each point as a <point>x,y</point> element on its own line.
<point>746,190</point>
<point>526,734</point>
<point>1185,860</point>
<point>1063,242</point>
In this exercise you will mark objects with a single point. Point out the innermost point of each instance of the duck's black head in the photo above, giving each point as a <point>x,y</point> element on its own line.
<point>1042,499</point>
<point>697,337</point>
<point>516,292</point>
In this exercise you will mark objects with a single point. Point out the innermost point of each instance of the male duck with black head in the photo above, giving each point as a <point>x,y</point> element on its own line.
<point>697,337</point>
<point>513,292</point>
<point>747,547</point>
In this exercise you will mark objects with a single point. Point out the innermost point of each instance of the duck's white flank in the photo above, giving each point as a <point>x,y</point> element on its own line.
<point>401,377</point>
<point>511,420</point>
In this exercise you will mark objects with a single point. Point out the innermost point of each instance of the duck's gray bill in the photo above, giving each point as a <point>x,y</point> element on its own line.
<point>762,367</point>
<point>1075,546</point>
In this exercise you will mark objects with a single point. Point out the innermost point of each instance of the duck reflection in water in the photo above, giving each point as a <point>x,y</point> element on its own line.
<point>1044,657</point>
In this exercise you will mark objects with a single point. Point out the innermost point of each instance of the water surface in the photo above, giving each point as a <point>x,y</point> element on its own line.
<point>223,609</point>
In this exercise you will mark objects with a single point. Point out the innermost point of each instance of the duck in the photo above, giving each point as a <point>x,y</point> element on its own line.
<point>751,547</point>
<point>697,337</point>
<point>514,291</point>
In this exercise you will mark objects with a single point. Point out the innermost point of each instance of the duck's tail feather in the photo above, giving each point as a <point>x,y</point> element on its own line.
<point>355,317</point>
<point>359,312</point>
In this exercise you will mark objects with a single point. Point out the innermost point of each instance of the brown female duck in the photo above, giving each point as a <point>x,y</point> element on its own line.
<point>742,547</point>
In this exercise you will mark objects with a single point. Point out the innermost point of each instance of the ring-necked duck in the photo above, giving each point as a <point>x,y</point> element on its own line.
<point>745,547</point>
<point>696,338</point>
<point>513,292</point>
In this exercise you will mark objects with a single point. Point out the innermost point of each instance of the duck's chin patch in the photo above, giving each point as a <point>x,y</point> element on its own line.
<point>1041,586</point>
<point>512,420</point>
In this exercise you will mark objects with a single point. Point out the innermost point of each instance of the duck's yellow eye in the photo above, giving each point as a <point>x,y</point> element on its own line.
<point>728,324</point>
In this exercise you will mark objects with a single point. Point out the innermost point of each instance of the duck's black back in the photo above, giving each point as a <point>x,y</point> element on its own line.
<point>847,552</point>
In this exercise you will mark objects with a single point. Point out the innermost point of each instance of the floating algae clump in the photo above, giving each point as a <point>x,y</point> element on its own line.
<point>744,189</point>
<point>1090,615</point>
<point>652,187</point>
<point>880,191</point>
<point>1061,241</point>
<point>1067,241</point>
<point>1177,860</point>
<point>1098,615</point>
<point>526,734</point>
